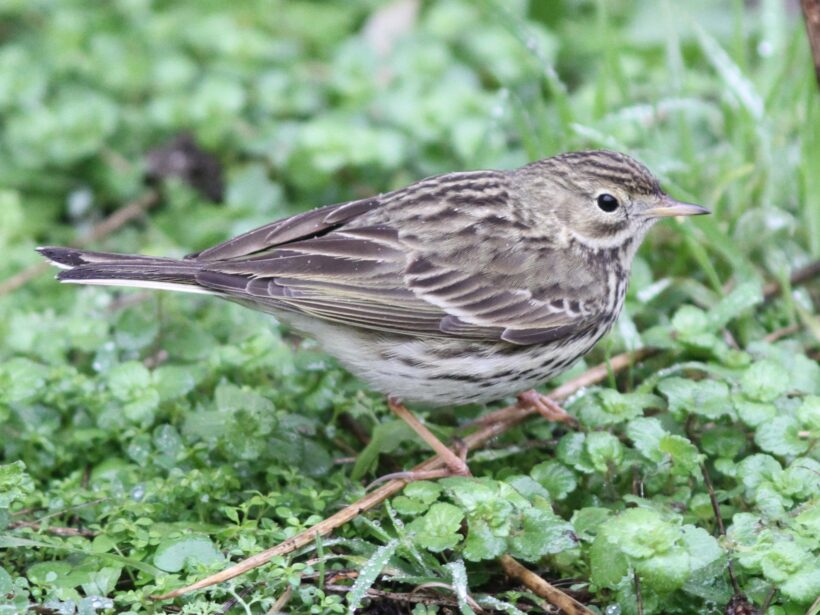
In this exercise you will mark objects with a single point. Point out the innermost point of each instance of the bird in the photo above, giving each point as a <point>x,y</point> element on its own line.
<point>466,287</point>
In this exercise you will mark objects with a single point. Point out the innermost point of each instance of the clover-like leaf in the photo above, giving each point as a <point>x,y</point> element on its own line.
<point>781,436</point>
<point>608,564</point>
<point>684,455</point>
<point>555,478</point>
<point>589,520</point>
<point>21,380</point>
<point>173,554</point>
<point>642,533</point>
<point>707,398</point>
<point>15,483</point>
<point>438,529</point>
<point>646,434</point>
<point>809,413</point>
<point>804,585</point>
<point>417,497</point>
<point>720,441</point>
<point>754,413</point>
<point>765,381</point>
<point>610,407</point>
<point>603,450</point>
<point>536,533</point>
<point>483,542</point>
<point>665,572</point>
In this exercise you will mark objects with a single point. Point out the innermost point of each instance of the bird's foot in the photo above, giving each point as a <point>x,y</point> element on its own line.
<point>546,407</point>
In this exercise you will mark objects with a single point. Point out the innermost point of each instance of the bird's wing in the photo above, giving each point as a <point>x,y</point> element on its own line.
<point>308,224</point>
<point>382,264</point>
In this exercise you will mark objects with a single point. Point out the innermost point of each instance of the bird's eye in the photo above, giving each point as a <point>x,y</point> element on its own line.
<point>607,202</point>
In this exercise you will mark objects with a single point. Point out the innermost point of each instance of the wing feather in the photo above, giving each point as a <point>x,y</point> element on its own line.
<point>363,264</point>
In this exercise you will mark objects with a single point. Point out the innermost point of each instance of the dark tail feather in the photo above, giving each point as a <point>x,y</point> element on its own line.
<point>85,267</point>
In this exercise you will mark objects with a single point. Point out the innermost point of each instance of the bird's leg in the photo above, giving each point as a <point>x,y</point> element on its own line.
<point>546,407</point>
<point>455,461</point>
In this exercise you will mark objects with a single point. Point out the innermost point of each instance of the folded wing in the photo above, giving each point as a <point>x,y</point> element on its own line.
<point>362,264</point>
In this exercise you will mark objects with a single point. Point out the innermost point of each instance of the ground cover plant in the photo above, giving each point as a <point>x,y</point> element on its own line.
<point>147,439</point>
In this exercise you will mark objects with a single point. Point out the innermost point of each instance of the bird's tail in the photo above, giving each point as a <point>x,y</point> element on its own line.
<point>109,269</point>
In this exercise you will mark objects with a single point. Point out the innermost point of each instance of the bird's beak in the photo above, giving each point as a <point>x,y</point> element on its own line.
<point>670,207</point>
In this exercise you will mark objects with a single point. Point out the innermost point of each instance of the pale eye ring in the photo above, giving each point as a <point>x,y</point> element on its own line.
<point>606,202</point>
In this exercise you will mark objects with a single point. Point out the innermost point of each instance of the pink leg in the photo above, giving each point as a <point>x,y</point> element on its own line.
<point>455,462</point>
<point>546,407</point>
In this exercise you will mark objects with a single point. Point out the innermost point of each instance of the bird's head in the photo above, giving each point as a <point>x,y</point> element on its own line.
<point>603,199</point>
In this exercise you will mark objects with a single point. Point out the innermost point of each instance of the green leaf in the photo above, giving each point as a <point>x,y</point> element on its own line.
<point>754,413</point>
<point>483,542</point>
<point>417,497</point>
<point>665,572</point>
<point>21,380</point>
<point>458,573</point>
<point>250,187</point>
<point>530,489</point>
<point>386,437</point>
<point>12,542</point>
<point>127,380</point>
<point>175,381</point>
<point>642,533</point>
<point>536,533</point>
<point>587,521</point>
<point>555,478</point>
<point>603,450</point>
<point>689,320</point>
<point>470,493</point>
<point>800,478</point>
<point>809,413</point>
<point>804,373</point>
<point>646,434</point>
<point>684,454</point>
<point>740,300</point>
<point>103,581</point>
<point>570,450</point>
<point>783,560</point>
<point>702,547</point>
<point>765,381</point>
<point>136,328</point>
<point>174,554</point>
<point>231,398</point>
<point>781,436</point>
<point>438,529</point>
<point>609,407</point>
<point>15,483</point>
<point>720,441</point>
<point>804,585</point>
<point>369,572</point>
<point>757,469</point>
<point>707,398</point>
<point>608,565</point>
<point>6,582</point>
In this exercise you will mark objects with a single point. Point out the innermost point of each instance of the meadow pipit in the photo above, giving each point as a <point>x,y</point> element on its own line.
<point>460,288</point>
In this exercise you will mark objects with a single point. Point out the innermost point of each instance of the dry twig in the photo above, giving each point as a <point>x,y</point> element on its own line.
<point>811,13</point>
<point>540,587</point>
<point>56,530</point>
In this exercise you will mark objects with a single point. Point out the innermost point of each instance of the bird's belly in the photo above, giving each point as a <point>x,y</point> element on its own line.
<point>455,373</point>
<point>440,372</point>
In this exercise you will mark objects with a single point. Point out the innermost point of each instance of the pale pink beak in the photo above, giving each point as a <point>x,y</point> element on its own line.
<point>671,207</point>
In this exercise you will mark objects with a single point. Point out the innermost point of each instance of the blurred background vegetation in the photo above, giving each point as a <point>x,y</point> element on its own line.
<point>149,438</point>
